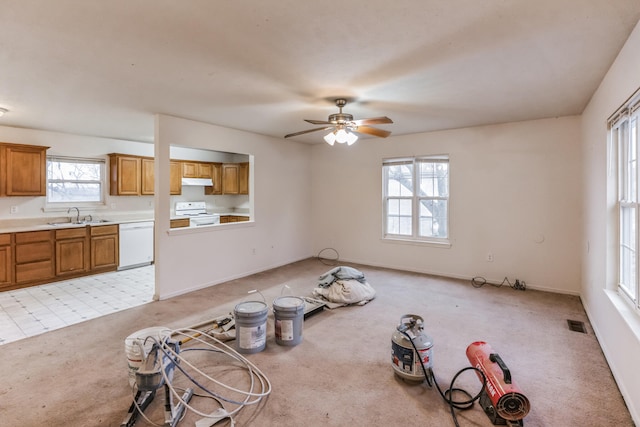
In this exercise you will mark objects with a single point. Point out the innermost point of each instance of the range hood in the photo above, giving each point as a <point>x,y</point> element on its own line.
<point>201,182</point>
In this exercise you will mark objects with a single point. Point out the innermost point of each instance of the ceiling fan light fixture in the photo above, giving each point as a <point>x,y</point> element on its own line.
<point>330,138</point>
<point>3,111</point>
<point>351,138</point>
<point>342,136</point>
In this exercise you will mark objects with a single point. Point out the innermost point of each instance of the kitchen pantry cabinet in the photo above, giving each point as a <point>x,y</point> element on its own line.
<point>104,247</point>
<point>23,170</point>
<point>72,251</point>
<point>135,175</point>
<point>34,260</point>
<point>6,261</point>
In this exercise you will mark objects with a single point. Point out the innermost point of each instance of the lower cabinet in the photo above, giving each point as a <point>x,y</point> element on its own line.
<point>72,255</point>
<point>224,219</point>
<point>6,261</point>
<point>104,247</point>
<point>34,256</point>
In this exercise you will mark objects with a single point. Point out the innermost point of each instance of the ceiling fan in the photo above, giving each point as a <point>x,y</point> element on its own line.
<point>342,125</point>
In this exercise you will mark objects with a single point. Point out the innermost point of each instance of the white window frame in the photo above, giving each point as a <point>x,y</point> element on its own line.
<point>54,206</point>
<point>625,136</point>
<point>415,200</point>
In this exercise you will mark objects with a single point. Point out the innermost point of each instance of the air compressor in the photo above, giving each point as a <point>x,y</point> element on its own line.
<point>411,349</point>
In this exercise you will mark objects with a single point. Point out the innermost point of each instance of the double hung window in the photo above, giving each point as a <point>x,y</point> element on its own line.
<point>75,181</point>
<point>624,136</point>
<point>416,198</point>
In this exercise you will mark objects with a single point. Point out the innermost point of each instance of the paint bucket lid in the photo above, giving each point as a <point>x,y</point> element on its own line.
<point>251,308</point>
<point>288,303</point>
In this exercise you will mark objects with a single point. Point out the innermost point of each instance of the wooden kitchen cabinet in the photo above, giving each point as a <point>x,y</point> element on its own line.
<point>6,261</point>
<point>124,175</point>
<point>230,183</point>
<point>72,251</point>
<point>216,177</point>
<point>34,259</point>
<point>147,176</point>
<point>175,185</point>
<point>243,178</point>
<point>197,170</point>
<point>179,223</point>
<point>23,170</point>
<point>104,247</point>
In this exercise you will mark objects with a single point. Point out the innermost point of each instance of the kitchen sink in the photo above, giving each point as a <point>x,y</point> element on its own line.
<point>74,223</point>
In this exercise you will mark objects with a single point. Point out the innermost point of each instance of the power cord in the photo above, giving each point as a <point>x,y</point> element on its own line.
<point>447,395</point>
<point>518,285</point>
<point>329,261</point>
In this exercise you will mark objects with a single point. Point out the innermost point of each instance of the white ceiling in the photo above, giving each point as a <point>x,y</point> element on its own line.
<point>103,68</point>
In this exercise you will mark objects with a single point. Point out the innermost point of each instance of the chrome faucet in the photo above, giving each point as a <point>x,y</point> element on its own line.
<point>77,213</point>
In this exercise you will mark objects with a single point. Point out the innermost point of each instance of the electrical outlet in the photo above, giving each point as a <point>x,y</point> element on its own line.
<point>14,209</point>
<point>253,251</point>
<point>489,257</point>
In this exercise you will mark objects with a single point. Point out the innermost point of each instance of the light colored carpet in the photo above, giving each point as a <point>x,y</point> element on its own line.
<point>340,374</point>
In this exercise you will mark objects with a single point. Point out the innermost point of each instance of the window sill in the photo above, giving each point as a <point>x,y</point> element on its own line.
<point>627,312</point>
<point>435,244</point>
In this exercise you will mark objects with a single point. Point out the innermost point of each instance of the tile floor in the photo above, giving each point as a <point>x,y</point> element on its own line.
<point>38,309</point>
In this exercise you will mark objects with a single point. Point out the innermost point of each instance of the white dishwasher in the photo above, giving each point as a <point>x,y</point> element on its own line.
<point>136,244</point>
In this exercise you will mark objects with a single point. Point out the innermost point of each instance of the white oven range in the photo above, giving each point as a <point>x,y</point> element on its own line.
<point>197,213</point>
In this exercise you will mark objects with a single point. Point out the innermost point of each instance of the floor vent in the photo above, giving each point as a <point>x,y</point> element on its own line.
<point>576,326</point>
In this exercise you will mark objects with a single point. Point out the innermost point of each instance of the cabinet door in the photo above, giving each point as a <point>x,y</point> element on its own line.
<point>5,266</point>
<point>104,252</point>
<point>243,178</point>
<point>148,176</point>
<point>26,170</point>
<point>230,178</point>
<point>205,170</point>
<point>175,186</point>
<point>125,176</point>
<point>189,170</point>
<point>71,256</point>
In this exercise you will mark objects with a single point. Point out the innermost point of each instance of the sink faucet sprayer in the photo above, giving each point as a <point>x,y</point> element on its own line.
<point>77,213</point>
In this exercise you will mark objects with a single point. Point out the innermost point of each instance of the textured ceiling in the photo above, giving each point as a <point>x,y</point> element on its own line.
<point>104,68</point>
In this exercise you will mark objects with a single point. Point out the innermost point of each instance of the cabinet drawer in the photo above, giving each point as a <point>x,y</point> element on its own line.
<point>34,271</point>
<point>33,236</point>
<point>5,239</point>
<point>103,230</point>
<point>71,233</point>
<point>31,252</point>
<point>179,223</point>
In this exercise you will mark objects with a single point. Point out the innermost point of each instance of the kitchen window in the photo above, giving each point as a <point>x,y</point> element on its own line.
<point>624,138</point>
<point>75,181</point>
<point>416,199</point>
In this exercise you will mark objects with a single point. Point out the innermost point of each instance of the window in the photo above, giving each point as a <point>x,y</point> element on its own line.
<point>75,180</point>
<point>416,198</point>
<point>624,135</point>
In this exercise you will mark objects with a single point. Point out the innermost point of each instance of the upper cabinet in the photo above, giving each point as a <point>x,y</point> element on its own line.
<point>197,170</point>
<point>125,175</point>
<point>243,178</point>
<point>23,170</point>
<point>235,178</point>
<point>135,175</point>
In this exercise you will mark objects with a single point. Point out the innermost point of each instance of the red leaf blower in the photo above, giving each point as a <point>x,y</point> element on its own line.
<point>501,399</point>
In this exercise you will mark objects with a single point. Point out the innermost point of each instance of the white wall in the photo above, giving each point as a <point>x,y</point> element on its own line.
<point>617,326</point>
<point>280,201</point>
<point>515,191</point>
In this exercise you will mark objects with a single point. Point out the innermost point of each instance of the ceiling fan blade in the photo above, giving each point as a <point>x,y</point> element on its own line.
<point>318,122</point>
<point>373,121</point>
<point>307,131</point>
<point>372,131</point>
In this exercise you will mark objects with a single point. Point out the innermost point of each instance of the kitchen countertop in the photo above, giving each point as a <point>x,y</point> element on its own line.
<point>36,224</point>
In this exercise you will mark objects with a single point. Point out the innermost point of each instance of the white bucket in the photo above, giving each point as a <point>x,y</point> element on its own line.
<point>251,326</point>
<point>289,315</point>
<point>137,346</point>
